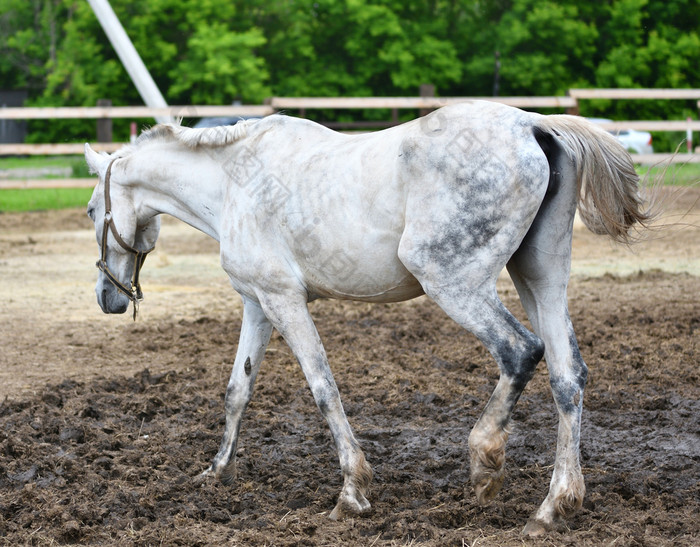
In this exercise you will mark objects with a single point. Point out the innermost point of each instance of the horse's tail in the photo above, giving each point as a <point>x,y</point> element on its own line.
<point>609,199</point>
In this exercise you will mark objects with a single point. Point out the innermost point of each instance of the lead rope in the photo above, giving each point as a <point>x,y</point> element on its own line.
<point>139,259</point>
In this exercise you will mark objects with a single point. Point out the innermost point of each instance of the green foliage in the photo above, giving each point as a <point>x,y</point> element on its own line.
<point>218,51</point>
<point>29,35</point>
<point>221,65</point>
<point>543,48</point>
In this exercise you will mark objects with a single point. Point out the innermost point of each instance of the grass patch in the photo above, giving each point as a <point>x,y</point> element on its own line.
<point>675,174</point>
<point>35,199</point>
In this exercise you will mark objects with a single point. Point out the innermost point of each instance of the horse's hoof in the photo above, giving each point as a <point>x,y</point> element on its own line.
<point>203,477</point>
<point>487,485</point>
<point>535,528</point>
<point>350,506</point>
<point>227,475</point>
<point>487,464</point>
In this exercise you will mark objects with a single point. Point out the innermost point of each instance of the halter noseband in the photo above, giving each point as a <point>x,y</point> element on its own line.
<point>134,292</point>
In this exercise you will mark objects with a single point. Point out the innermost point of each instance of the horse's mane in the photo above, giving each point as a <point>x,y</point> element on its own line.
<point>206,137</point>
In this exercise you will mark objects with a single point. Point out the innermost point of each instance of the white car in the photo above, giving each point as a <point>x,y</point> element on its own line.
<point>636,142</point>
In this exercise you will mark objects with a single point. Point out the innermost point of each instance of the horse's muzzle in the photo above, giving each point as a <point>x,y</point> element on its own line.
<point>111,300</point>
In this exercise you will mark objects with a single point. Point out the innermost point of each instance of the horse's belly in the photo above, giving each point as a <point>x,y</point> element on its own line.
<point>405,291</point>
<point>341,275</point>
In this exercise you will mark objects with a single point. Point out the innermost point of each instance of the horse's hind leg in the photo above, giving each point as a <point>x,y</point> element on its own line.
<point>517,352</point>
<point>466,291</point>
<point>290,316</point>
<point>540,272</point>
<point>254,337</point>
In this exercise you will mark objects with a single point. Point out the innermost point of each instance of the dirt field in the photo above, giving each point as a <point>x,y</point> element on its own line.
<point>105,421</point>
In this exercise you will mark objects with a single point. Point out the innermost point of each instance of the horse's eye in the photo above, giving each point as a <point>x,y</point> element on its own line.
<point>91,213</point>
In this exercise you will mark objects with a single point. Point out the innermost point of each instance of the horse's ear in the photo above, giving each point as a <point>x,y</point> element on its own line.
<point>96,162</point>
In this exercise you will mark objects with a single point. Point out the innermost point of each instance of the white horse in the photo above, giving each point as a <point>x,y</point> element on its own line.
<point>438,206</point>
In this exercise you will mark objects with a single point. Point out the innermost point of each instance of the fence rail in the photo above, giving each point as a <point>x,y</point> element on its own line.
<point>23,184</point>
<point>303,103</point>
<point>652,125</point>
<point>635,94</point>
<point>55,149</point>
<point>655,160</point>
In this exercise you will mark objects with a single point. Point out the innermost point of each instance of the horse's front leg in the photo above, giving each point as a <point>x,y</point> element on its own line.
<point>290,316</point>
<point>255,335</point>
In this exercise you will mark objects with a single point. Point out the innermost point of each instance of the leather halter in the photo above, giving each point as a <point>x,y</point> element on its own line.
<point>134,292</point>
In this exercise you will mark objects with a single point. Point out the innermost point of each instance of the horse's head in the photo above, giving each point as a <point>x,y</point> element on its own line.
<point>126,231</point>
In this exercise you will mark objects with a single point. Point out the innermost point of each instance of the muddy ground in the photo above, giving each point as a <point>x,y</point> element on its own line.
<point>105,422</point>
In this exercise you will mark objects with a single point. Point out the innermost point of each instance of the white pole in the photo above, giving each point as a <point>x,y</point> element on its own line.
<point>130,58</point>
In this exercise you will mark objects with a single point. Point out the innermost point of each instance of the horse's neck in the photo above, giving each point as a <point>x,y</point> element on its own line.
<point>185,185</point>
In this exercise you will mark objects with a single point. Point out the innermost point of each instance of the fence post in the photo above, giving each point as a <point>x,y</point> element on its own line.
<point>426,90</point>
<point>574,110</point>
<point>104,125</point>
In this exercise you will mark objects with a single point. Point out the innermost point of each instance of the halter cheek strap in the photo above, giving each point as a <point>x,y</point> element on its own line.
<point>133,292</point>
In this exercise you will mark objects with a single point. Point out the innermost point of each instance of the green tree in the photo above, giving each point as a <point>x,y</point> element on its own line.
<point>29,38</point>
<point>220,65</point>
<point>354,47</point>
<point>543,48</point>
<point>217,51</point>
<point>651,44</point>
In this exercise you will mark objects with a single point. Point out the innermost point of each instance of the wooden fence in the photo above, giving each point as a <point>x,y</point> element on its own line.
<point>568,103</point>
